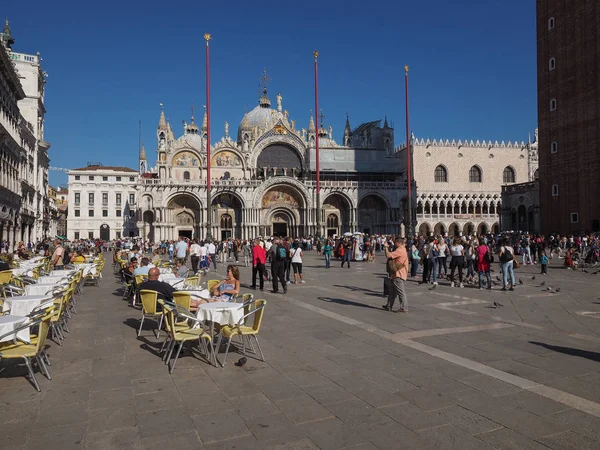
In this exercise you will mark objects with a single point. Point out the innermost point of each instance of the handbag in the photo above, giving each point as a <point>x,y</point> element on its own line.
<point>392,266</point>
<point>516,264</point>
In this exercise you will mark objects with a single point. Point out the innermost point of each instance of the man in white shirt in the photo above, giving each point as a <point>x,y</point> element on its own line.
<point>195,255</point>
<point>203,256</point>
<point>181,249</point>
<point>212,254</point>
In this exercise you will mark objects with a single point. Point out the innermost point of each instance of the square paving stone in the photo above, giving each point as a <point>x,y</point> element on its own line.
<point>69,437</point>
<point>413,417</point>
<point>355,412</point>
<point>304,378</point>
<point>329,393</point>
<point>450,437</point>
<point>570,440</point>
<point>220,425</point>
<point>532,402</point>
<point>256,405</point>
<point>466,420</point>
<point>120,397</point>
<point>239,443</point>
<point>302,444</point>
<point>510,440</point>
<point>274,429</point>
<point>490,385</point>
<point>302,409</point>
<point>157,400</point>
<point>165,421</point>
<point>424,399</point>
<point>331,434</point>
<point>579,422</point>
<point>111,418</point>
<point>390,435</point>
<point>122,439</point>
<point>526,423</point>
<point>188,440</point>
<point>58,416</point>
<point>65,395</point>
<point>155,384</point>
<point>281,391</point>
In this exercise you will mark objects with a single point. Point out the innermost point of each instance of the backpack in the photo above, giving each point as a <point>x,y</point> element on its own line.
<point>506,256</point>
<point>280,255</point>
<point>392,266</point>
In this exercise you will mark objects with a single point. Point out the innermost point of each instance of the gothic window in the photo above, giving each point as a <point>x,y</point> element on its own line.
<point>441,174</point>
<point>475,174</point>
<point>186,176</point>
<point>508,176</point>
<point>226,222</point>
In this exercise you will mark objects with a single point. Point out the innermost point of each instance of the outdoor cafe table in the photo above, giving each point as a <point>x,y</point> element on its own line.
<point>52,279</point>
<point>24,304</point>
<point>223,313</point>
<point>63,272</point>
<point>10,323</point>
<point>41,289</point>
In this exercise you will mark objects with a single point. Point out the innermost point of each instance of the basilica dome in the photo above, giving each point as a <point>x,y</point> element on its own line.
<point>189,140</point>
<point>260,117</point>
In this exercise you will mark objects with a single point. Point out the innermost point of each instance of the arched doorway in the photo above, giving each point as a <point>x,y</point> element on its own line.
<point>372,215</point>
<point>333,225</point>
<point>226,225</point>
<point>230,206</point>
<point>148,219</point>
<point>105,232</point>
<point>496,228</point>
<point>336,210</point>
<point>186,213</point>
<point>482,229</point>
<point>283,212</point>
<point>522,216</point>
<point>439,229</point>
<point>595,225</point>
<point>468,229</point>
<point>424,229</point>
<point>453,230</point>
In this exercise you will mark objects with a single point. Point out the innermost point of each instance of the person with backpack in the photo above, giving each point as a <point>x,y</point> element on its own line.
<point>506,256</point>
<point>484,260</point>
<point>397,268</point>
<point>278,261</point>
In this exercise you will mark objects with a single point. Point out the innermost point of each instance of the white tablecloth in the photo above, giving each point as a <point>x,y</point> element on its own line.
<point>166,276</point>
<point>62,273</point>
<point>40,289</point>
<point>24,304</point>
<point>52,280</point>
<point>10,323</point>
<point>198,294</point>
<point>223,313</point>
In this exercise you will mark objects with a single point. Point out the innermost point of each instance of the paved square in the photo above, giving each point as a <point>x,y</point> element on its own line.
<point>455,372</point>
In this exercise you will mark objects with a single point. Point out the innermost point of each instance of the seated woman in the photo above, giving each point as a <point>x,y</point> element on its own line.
<point>180,269</point>
<point>77,258</point>
<point>224,291</point>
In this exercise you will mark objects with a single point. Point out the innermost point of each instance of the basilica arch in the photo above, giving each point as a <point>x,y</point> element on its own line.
<point>227,212</point>
<point>373,214</point>
<point>284,211</point>
<point>184,216</point>
<point>336,213</point>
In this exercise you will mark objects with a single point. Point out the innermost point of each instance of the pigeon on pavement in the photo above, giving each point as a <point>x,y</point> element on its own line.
<point>520,281</point>
<point>496,304</point>
<point>543,283</point>
<point>533,277</point>
<point>557,289</point>
<point>549,288</point>
<point>241,362</point>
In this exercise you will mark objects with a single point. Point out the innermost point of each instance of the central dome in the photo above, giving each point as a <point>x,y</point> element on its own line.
<point>260,117</point>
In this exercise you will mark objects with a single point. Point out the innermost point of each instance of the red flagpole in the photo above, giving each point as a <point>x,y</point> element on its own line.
<point>208,196</point>
<point>316,55</point>
<point>408,160</point>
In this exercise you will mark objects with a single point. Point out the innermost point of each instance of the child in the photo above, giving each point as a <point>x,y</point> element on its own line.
<point>544,262</point>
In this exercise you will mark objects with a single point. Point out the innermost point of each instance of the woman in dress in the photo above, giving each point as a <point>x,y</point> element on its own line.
<point>483,263</point>
<point>224,291</point>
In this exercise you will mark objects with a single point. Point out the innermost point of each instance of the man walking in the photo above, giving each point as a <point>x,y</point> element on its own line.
<point>399,256</point>
<point>195,254</point>
<point>181,249</point>
<point>58,256</point>
<point>212,250</point>
<point>278,260</point>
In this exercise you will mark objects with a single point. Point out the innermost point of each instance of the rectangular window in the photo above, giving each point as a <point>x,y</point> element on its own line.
<point>104,213</point>
<point>91,213</point>
<point>91,177</point>
<point>118,213</point>
<point>555,190</point>
<point>91,198</point>
<point>77,198</point>
<point>77,178</point>
<point>104,178</point>
<point>132,199</point>
<point>574,217</point>
<point>118,178</point>
<point>105,198</point>
<point>77,213</point>
<point>118,198</point>
<point>131,178</point>
<point>76,235</point>
<point>90,235</point>
<point>554,147</point>
<point>118,235</point>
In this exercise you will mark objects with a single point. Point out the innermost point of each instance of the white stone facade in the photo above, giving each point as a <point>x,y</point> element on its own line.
<point>102,202</point>
<point>263,183</point>
<point>459,184</point>
<point>25,212</point>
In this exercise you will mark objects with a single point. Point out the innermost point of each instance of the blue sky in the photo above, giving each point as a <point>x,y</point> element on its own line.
<point>110,64</point>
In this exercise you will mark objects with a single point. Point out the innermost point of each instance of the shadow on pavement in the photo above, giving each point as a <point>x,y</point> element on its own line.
<point>594,356</point>
<point>341,301</point>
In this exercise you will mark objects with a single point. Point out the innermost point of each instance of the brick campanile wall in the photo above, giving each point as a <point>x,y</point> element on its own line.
<point>569,32</point>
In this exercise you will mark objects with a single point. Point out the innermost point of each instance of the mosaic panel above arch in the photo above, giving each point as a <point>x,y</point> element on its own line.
<point>186,159</point>
<point>226,158</point>
<point>281,196</point>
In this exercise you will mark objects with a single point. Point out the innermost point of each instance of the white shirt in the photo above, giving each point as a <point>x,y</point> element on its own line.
<point>212,249</point>
<point>268,245</point>
<point>203,251</point>
<point>456,250</point>
<point>181,248</point>
<point>296,255</point>
<point>195,250</point>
